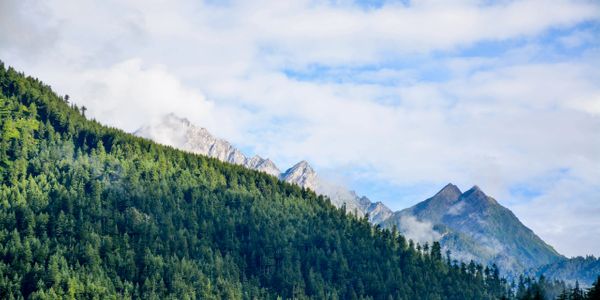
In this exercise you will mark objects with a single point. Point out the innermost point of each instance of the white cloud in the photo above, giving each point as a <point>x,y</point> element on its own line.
<point>419,232</point>
<point>577,39</point>
<point>566,215</point>
<point>129,94</point>
<point>494,120</point>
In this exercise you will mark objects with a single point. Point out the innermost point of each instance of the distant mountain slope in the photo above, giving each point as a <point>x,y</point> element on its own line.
<point>474,226</point>
<point>91,212</point>
<point>584,270</point>
<point>182,134</point>
<point>471,225</point>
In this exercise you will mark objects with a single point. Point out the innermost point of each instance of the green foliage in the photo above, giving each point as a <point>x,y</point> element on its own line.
<point>594,292</point>
<point>530,289</point>
<point>90,212</point>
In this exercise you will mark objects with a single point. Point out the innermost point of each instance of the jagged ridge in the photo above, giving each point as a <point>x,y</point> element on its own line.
<point>475,226</point>
<point>182,134</point>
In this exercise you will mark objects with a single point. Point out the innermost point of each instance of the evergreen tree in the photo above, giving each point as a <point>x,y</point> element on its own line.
<point>564,295</point>
<point>88,211</point>
<point>577,292</point>
<point>594,292</point>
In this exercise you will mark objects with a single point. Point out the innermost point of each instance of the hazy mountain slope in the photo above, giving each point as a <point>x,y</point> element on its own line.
<point>181,133</point>
<point>473,225</point>
<point>584,270</point>
<point>91,212</point>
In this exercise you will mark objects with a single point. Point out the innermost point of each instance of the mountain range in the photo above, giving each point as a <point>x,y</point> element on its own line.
<point>91,212</point>
<point>180,133</point>
<point>469,225</point>
<point>474,226</point>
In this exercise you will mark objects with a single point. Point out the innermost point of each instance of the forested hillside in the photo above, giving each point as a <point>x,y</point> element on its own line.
<point>88,211</point>
<point>576,269</point>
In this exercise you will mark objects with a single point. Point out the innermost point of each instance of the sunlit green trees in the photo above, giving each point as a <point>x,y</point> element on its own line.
<point>88,211</point>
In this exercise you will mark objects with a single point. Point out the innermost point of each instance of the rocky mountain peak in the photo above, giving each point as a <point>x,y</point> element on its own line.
<point>303,165</point>
<point>263,164</point>
<point>473,226</point>
<point>378,212</point>
<point>474,189</point>
<point>301,168</point>
<point>301,174</point>
<point>181,133</point>
<point>477,197</point>
<point>450,192</point>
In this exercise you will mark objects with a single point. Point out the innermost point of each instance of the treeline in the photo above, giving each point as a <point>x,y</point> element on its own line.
<point>90,212</point>
<point>582,269</point>
<point>542,289</point>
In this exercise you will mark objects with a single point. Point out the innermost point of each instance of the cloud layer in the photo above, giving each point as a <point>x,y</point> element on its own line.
<point>395,99</point>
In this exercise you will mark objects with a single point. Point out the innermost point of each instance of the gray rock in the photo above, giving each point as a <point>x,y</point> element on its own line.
<point>182,134</point>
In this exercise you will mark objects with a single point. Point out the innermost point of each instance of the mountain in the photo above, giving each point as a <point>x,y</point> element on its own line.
<point>301,174</point>
<point>91,212</point>
<point>584,270</point>
<point>474,226</point>
<point>377,211</point>
<point>471,225</point>
<point>182,134</point>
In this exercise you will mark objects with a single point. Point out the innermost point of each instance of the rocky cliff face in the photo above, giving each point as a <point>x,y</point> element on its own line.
<point>378,212</point>
<point>181,133</point>
<point>262,164</point>
<point>301,174</point>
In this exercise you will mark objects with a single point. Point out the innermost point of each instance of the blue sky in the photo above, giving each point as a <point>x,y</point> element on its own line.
<point>431,68</point>
<point>391,98</point>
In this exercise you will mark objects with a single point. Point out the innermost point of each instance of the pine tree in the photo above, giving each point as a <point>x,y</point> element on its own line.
<point>88,211</point>
<point>577,292</point>
<point>594,291</point>
<point>564,295</point>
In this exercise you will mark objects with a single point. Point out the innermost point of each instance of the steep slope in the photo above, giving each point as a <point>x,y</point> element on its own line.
<point>301,174</point>
<point>91,212</point>
<point>182,134</point>
<point>474,226</point>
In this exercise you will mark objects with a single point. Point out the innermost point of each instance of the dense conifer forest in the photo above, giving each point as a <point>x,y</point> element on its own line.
<point>91,212</point>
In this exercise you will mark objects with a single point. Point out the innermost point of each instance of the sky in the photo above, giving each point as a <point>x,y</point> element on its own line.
<point>392,98</point>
